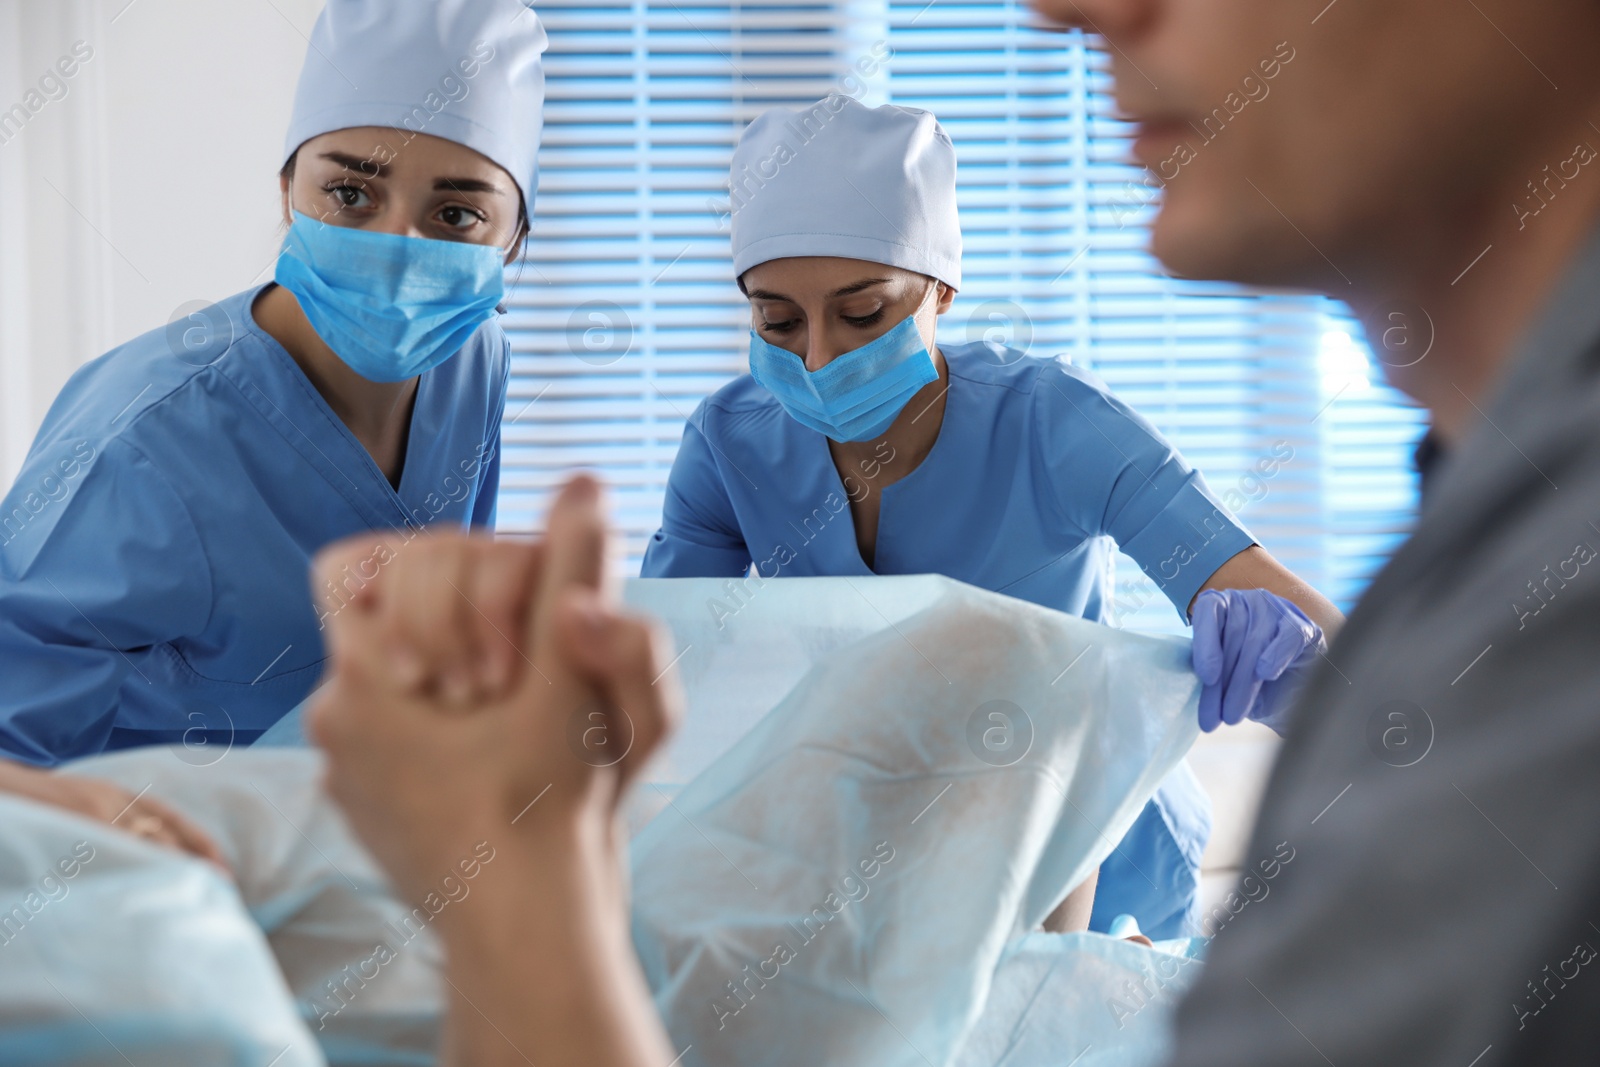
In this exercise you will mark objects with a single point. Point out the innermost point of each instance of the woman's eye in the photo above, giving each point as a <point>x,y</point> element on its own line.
<point>778,327</point>
<point>864,320</point>
<point>352,196</point>
<point>460,218</point>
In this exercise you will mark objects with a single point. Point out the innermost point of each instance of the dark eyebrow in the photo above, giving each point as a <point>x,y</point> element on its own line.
<point>467,185</point>
<point>858,286</point>
<point>367,166</point>
<point>371,168</point>
<point>854,287</point>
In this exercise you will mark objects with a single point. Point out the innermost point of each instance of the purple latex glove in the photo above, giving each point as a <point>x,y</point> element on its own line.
<point>1251,649</point>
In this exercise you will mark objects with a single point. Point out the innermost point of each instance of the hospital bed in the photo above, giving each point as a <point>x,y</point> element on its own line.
<point>840,787</point>
<point>1232,764</point>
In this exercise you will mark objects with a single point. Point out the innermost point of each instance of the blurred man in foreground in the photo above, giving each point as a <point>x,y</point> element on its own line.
<point>1433,163</point>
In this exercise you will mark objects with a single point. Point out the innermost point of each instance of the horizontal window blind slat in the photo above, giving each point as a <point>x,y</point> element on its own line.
<point>624,314</point>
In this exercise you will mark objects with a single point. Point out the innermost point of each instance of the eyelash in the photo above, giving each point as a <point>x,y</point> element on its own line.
<point>480,216</point>
<point>340,187</point>
<point>861,323</point>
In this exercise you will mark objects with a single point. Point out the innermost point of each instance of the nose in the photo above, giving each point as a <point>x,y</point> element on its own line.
<point>397,219</point>
<point>1111,19</point>
<point>820,349</point>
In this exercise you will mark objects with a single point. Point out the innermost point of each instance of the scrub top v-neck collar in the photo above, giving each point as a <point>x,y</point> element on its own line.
<point>887,493</point>
<point>355,475</point>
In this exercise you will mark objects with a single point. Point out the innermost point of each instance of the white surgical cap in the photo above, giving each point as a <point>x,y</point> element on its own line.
<point>465,70</point>
<point>842,179</point>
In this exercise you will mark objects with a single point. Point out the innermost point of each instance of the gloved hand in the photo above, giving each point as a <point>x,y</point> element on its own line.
<point>1251,649</point>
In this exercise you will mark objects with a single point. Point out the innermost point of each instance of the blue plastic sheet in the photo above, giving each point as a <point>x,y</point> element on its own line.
<point>305,946</point>
<point>847,877</point>
<point>895,779</point>
<point>115,948</point>
<point>1081,999</point>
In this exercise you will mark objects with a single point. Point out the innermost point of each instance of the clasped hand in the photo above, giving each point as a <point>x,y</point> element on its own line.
<point>485,690</point>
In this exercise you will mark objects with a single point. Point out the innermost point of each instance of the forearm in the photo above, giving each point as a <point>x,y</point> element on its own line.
<point>1254,568</point>
<point>541,966</point>
<point>1316,606</point>
<point>22,779</point>
<point>1073,913</point>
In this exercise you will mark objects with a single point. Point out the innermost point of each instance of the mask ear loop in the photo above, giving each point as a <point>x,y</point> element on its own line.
<point>518,245</point>
<point>293,211</point>
<point>918,310</point>
<point>500,308</point>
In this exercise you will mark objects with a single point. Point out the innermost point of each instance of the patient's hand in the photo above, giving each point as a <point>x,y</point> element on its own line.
<point>423,776</point>
<point>140,815</point>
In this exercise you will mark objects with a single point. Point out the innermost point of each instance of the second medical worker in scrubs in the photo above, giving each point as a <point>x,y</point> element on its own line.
<point>856,446</point>
<point>154,550</point>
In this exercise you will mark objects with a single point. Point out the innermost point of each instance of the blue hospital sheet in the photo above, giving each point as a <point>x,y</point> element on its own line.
<point>847,877</point>
<point>840,788</point>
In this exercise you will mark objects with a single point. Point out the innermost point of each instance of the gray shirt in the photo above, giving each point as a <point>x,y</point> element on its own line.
<point>1440,788</point>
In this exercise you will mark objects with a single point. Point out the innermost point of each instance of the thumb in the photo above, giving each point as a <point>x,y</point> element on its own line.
<point>629,660</point>
<point>574,558</point>
<point>1295,634</point>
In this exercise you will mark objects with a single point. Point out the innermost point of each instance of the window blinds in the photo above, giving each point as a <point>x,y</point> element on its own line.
<point>624,312</point>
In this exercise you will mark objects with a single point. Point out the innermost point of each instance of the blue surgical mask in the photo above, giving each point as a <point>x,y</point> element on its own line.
<point>389,305</point>
<point>857,395</point>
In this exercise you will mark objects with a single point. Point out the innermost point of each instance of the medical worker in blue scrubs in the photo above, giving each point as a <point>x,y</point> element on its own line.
<point>155,547</point>
<point>857,446</point>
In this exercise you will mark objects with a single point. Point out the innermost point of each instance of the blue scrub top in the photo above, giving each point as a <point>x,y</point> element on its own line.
<point>1039,475</point>
<point>154,550</point>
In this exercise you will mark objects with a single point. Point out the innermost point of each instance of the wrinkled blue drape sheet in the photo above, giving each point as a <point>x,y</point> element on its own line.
<point>882,789</point>
<point>842,884</point>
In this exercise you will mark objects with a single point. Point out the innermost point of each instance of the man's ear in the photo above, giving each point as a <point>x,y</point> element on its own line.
<point>947,296</point>
<point>283,194</point>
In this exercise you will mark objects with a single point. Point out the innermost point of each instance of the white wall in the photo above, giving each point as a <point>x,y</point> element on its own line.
<point>149,183</point>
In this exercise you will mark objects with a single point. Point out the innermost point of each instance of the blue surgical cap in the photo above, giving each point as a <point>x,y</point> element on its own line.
<point>839,178</point>
<point>465,70</point>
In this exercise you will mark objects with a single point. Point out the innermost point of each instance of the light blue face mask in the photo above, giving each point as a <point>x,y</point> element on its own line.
<point>856,396</point>
<point>390,306</point>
